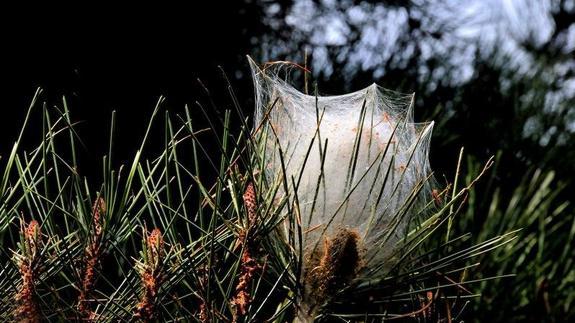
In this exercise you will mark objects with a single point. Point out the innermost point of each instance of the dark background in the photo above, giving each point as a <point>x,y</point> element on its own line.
<point>110,58</point>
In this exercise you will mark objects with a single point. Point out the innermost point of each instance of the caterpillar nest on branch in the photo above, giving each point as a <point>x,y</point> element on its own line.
<point>357,163</point>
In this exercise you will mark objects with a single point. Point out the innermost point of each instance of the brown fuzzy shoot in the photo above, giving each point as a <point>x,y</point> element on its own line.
<point>151,276</point>
<point>204,309</point>
<point>332,267</point>
<point>250,203</point>
<point>27,309</point>
<point>91,258</point>
<point>249,267</point>
<point>204,317</point>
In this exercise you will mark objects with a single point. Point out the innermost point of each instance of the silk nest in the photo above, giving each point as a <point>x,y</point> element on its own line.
<point>356,161</point>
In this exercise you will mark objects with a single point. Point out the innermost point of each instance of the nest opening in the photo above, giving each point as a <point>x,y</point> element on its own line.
<point>333,266</point>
